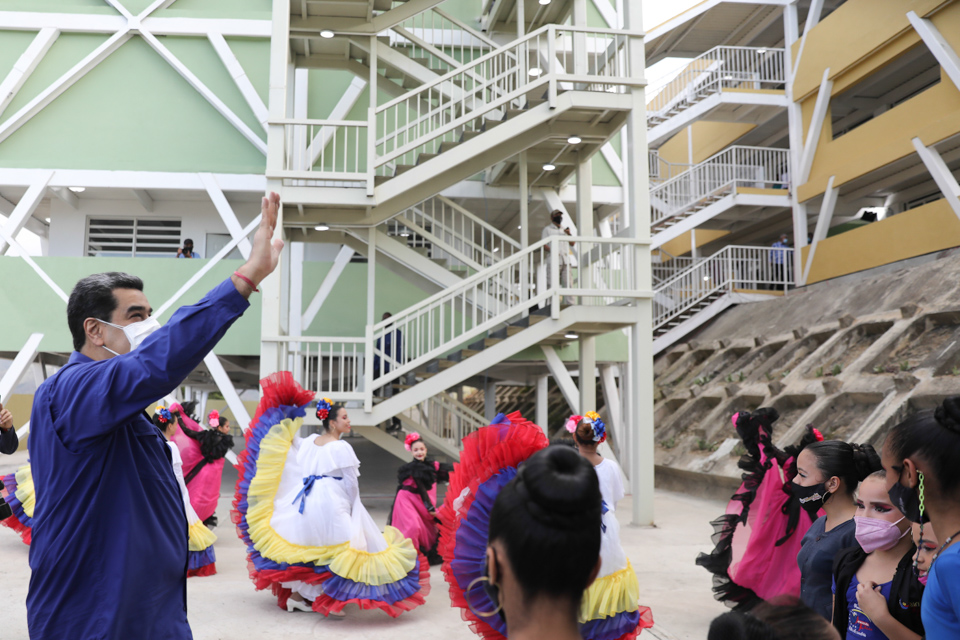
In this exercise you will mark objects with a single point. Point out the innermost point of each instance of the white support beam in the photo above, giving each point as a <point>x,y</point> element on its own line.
<point>211,263</point>
<point>340,111</point>
<point>339,264</point>
<point>562,377</point>
<point>587,380</point>
<point>543,403</point>
<point>611,399</point>
<point>941,174</point>
<point>63,83</point>
<point>145,200</point>
<point>227,389</point>
<point>4,236</point>
<point>239,77</point>
<point>67,196</point>
<point>938,45</point>
<point>226,213</point>
<point>205,91</point>
<point>20,364</point>
<point>813,16</point>
<point>827,208</point>
<point>24,209</point>
<point>23,431</point>
<point>816,127</point>
<point>25,65</point>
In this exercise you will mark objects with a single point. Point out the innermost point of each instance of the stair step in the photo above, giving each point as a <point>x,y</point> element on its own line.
<point>490,124</point>
<point>426,157</point>
<point>402,168</point>
<point>513,113</point>
<point>378,180</point>
<point>480,345</point>
<point>382,5</point>
<point>422,60</point>
<point>409,82</point>
<point>469,135</point>
<point>446,363</point>
<point>513,330</point>
<point>393,73</point>
<point>447,146</point>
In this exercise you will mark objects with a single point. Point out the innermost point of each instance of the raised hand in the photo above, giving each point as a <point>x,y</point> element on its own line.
<point>265,251</point>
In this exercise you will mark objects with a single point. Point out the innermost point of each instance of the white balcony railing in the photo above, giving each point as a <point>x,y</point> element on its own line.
<point>720,68</point>
<point>326,366</point>
<point>737,166</point>
<point>454,233</point>
<point>661,170</point>
<point>734,268</point>
<point>441,41</point>
<point>447,418</point>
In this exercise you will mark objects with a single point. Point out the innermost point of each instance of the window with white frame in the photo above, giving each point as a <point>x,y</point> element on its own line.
<point>133,237</point>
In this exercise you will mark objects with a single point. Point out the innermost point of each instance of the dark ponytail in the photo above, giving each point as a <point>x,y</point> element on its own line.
<point>332,415</point>
<point>849,462</point>
<point>935,437</point>
<point>548,518</point>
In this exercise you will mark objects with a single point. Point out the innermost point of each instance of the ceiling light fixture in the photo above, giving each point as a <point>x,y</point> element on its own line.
<point>570,336</point>
<point>728,77</point>
<point>574,140</point>
<point>761,51</point>
<point>495,249</point>
<point>77,189</point>
<point>544,2</point>
<point>536,71</point>
<point>326,33</point>
<point>322,227</point>
<point>404,235</point>
<point>549,167</point>
<point>705,278</point>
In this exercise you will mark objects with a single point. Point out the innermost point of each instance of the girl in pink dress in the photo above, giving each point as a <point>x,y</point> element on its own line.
<point>414,507</point>
<point>202,451</point>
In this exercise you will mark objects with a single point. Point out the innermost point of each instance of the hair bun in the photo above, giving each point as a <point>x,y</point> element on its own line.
<point>559,482</point>
<point>947,414</point>
<point>865,460</point>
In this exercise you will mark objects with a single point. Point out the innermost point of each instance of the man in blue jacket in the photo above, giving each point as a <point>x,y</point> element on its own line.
<point>109,551</point>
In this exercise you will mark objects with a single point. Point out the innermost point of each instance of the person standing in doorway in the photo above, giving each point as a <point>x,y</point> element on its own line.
<point>777,261</point>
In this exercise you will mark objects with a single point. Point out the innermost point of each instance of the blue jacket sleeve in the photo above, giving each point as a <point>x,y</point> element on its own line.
<point>125,385</point>
<point>9,441</point>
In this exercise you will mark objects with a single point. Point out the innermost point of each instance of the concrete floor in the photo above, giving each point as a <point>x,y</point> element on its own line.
<point>225,606</point>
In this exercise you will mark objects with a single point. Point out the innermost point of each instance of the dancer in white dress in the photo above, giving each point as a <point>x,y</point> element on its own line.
<point>298,510</point>
<point>609,608</point>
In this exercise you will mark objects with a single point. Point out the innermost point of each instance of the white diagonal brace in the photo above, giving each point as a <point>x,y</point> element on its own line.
<point>226,213</point>
<point>67,196</point>
<point>941,174</point>
<point>145,200</point>
<point>239,77</point>
<point>25,65</point>
<point>340,111</point>
<point>827,208</point>
<point>816,126</point>
<point>339,264</point>
<point>157,5</point>
<point>562,377</point>
<point>227,389</point>
<point>23,431</point>
<point>33,265</point>
<point>25,357</point>
<point>25,208</point>
<point>63,83</point>
<point>205,91</point>
<point>122,10</point>
<point>211,263</point>
<point>938,45</point>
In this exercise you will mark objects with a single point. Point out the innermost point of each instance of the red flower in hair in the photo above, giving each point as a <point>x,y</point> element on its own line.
<point>818,435</point>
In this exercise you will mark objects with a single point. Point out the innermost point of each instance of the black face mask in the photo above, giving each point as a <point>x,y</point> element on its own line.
<point>811,498</point>
<point>907,501</point>
<point>557,219</point>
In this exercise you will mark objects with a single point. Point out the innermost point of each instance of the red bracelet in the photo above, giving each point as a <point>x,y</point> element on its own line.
<point>247,280</point>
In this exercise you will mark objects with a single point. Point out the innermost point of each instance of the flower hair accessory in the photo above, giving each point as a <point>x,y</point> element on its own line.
<point>163,415</point>
<point>410,439</point>
<point>572,422</point>
<point>214,419</point>
<point>817,435</point>
<point>599,428</point>
<point>323,408</point>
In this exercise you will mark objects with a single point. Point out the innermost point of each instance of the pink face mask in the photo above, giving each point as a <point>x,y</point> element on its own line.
<point>877,535</point>
<point>923,579</point>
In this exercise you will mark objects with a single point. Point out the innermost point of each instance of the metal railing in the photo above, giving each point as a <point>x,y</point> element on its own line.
<point>447,418</point>
<point>745,68</point>
<point>441,41</point>
<point>733,167</point>
<point>420,121</point>
<point>661,170</point>
<point>326,366</point>
<point>454,233</point>
<point>325,149</point>
<point>731,269</point>
<point>667,270</point>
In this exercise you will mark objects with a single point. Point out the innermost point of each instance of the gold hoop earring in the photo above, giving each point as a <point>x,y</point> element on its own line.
<point>466,597</point>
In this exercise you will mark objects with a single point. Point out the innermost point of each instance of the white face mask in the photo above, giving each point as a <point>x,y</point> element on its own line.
<point>136,332</point>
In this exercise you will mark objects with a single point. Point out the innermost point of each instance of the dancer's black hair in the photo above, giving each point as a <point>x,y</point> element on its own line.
<point>849,462</point>
<point>332,415</point>
<point>933,435</point>
<point>548,518</point>
<point>783,618</point>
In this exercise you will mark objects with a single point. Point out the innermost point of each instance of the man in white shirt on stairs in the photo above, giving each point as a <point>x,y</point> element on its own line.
<point>556,228</point>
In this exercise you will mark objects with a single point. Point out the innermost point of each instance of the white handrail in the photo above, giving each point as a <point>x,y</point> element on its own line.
<point>742,166</point>
<point>719,68</point>
<point>732,268</point>
<point>446,417</point>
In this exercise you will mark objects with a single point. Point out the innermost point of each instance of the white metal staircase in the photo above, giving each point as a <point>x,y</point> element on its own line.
<point>732,275</point>
<point>708,190</point>
<point>718,84</point>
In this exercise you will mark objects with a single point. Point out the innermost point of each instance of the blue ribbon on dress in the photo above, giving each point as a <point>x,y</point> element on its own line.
<point>307,486</point>
<point>603,509</point>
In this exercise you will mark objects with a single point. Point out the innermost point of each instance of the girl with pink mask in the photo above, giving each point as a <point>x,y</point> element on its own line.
<point>876,588</point>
